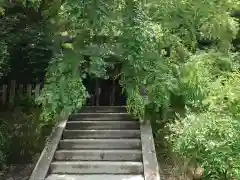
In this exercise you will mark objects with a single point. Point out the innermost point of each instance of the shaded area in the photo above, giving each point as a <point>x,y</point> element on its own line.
<point>104,92</point>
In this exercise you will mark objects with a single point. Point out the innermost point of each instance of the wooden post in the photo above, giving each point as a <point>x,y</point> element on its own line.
<point>113,92</point>
<point>97,92</point>
<point>4,94</point>
<point>12,92</point>
<point>20,90</point>
<point>37,91</point>
<point>1,92</point>
<point>29,90</point>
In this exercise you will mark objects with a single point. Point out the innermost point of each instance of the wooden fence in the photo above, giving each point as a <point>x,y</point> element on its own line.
<point>9,92</point>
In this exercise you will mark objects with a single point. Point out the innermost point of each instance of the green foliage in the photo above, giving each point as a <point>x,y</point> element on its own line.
<point>86,55</point>
<point>191,21</point>
<point>210,141</point>
<point>3,145</point>
<point>201,72</point>
<point>224,95</point>
<point>26,43</point>
<point>136,104</point>
<point>63,91</point>
<point>4,55</point>
<point>22,134</point>
<point>209,136</point>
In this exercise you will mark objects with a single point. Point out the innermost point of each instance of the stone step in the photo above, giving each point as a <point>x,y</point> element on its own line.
<point>100,144</point>
<point>101,117</point>
<point>81,125</point>
<point>98,155</point>
<point>95,177</point>
<point>77,134</point>
<point>96,167</point>
<point>96,109</point>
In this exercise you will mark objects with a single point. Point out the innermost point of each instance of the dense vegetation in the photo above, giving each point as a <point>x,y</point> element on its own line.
<point>184,54</point>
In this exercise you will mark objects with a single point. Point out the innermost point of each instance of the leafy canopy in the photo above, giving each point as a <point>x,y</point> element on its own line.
<point>154,41</point>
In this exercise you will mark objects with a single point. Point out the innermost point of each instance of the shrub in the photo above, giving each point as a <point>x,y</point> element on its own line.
<point>210,141</point>
<point>209,135</point>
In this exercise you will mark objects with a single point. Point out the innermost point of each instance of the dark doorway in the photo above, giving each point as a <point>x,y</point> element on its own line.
<point>104,92</point>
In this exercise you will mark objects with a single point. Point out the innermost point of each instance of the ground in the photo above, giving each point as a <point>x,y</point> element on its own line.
<point>169,172</point>
<point>17,172</point>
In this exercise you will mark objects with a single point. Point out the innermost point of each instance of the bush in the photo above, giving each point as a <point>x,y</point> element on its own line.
<point>208,136</point>
<point>210,141</point>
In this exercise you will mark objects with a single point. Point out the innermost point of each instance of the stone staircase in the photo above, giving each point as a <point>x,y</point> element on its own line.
<point>100,143</point>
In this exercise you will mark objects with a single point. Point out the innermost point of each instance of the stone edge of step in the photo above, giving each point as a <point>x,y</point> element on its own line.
<point>101,133</point>
<point>99,163</point>
<point>97,167</point>
<point>42,166</point>
<point>150,163</point>
<point>100,151</point>
<point>94,177</point>
<point>98,155</point>
<point>102,130</point>
<point>100,144</point>
<point>100,122</point>
<point>101,140</point>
